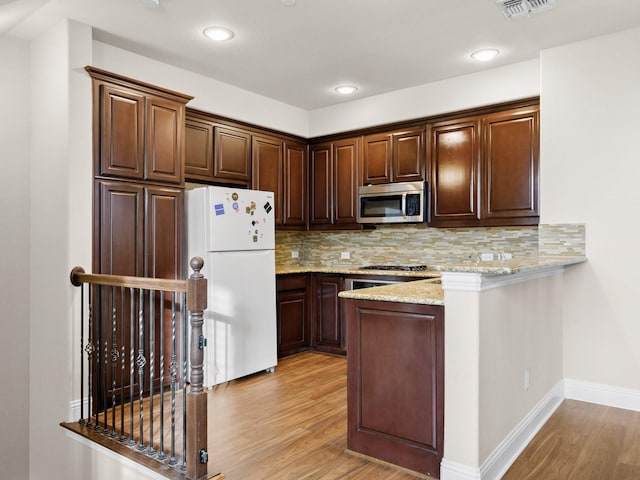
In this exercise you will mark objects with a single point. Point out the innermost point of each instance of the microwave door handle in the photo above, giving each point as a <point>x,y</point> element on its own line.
<point>404,205</point>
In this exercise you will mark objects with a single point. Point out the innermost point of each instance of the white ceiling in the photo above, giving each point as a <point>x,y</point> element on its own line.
<point>298,54</point>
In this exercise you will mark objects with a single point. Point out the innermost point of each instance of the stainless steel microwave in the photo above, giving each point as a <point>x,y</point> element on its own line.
<point>403,202</point>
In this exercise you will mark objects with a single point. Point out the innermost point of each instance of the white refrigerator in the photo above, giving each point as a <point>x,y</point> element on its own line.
<point>233,230</point>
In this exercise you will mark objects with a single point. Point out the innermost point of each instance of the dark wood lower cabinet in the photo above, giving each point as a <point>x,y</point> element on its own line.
<point>396,382</point>
<point>293,314</point>
<point>330,332</point>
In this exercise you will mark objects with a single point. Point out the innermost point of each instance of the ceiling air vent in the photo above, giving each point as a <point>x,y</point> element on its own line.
<point>522,8</point>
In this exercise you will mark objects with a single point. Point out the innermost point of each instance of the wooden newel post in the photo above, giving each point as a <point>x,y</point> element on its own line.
<point>197,454</point>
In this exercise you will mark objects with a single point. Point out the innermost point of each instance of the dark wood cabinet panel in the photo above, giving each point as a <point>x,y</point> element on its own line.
<point>232,158</point>
<point>295,184</point>
<point>330,331</point>
<point>138,129</point>
<point>121,132</point>
<point>333,180</point>
<point>267,163</point>
<point>376,158</point>
<point>164,146</point>
<point>484,170</point>
<point>346,180</point>
<point>408,155</point>
<point>321,185</point>
<point>198,158</point>
<point>164,230</point>
<point>120,225</point>
<point>293,314</point>
<point>395,383</point>
<point>510,173</point>
<point>393,157</point>
<point>455,162</point>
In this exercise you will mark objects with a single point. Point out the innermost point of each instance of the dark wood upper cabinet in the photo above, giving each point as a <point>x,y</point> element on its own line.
<point>321,185</point>
<point>511,165</point>
<point>333,181</point>
<point>267,169</point>
<point>455,163</point>
<point>232,157</point>
<point>484,169</point>
<point>295,185</point>
<point>393,157</point>
<point>198,158</point>
<point>138,129</point>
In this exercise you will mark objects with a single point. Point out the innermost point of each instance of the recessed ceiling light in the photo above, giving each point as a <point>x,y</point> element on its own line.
<point>218,34</point>
<point>346,89</point>
<point>485,54</point>
<point>288,3</point>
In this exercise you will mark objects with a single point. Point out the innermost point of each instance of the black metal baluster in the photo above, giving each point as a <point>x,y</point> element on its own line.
<point>132,344</point>
<point>81,354</point>
<point>89,351</point>
<point>185,356</point>
<point>161,454</point>
<point>114,360</point>
<point>122,360</point>
<point>98,356</point>
<point>141,362</point>
<point>105,359</point>
<point>152,360</point>
<point>173,370</point>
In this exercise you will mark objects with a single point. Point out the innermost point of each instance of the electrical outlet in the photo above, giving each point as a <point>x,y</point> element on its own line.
<point>527,378</point>
<point>345,255</point>
<point>295,254</point>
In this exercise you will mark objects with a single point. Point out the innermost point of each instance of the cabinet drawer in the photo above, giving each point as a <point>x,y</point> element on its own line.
<point>291,282</point>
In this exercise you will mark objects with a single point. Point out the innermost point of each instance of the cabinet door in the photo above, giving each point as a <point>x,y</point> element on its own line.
<point>163,232</point>
<point>376,158</point>
<point>121,132</point>
<point>346,167</point>
<point>232,155</point>
<point>198,142</point>
<point>328,313</point>
<point>119,246</point>
<point>164,145</point>
<point>454,162</point>
<point>321,185</point>
<point>293,334</point>
<point>510,165</point>
<point>295,184</point>
<point>408,156</point>
<point>266,156</point>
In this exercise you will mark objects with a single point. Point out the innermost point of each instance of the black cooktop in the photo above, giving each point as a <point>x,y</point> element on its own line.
<point>406,268</point>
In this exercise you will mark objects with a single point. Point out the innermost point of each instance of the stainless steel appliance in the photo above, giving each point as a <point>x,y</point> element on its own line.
<point>403,202</point>
<point>366,281</point>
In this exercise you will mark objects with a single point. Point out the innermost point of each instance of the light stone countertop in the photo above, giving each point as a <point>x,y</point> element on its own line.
<point>426,292</point>
<point>429,291</point>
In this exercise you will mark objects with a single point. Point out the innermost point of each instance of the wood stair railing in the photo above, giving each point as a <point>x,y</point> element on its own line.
<point>138,391</point>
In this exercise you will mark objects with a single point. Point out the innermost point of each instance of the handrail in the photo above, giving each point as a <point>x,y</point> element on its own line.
<point>78,277</point>
<point>194,295</point>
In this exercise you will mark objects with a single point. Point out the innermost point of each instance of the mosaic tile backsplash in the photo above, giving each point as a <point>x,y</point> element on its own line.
<point>419,244</point>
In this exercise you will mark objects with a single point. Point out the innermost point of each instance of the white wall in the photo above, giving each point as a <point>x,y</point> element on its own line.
<point>512,82</point>
<point>14,258</point>
<point>590,166</point>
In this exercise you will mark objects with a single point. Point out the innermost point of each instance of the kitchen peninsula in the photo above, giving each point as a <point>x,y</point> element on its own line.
<point>482,381</point>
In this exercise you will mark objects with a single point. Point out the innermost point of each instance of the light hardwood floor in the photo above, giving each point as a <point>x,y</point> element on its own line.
<point>291,425</point>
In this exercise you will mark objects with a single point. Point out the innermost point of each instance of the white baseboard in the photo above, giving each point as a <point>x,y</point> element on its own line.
<point>450,470</point>
<point>618,397</point>
<point>76,407</point>
<point>494,467</point>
